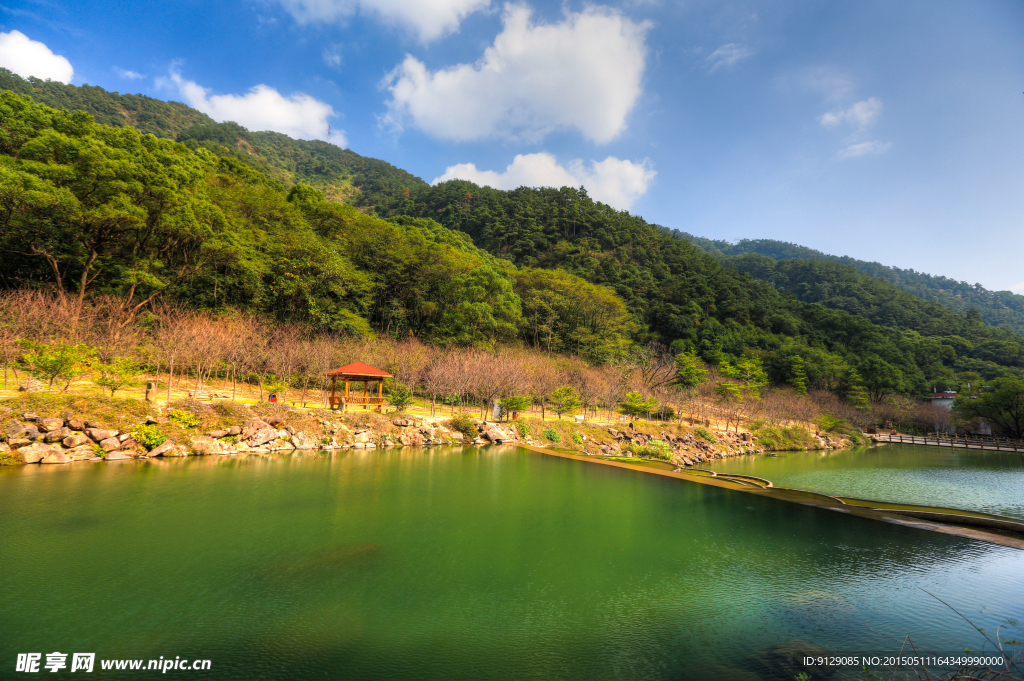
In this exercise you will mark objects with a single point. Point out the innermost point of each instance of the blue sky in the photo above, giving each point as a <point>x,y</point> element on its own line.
<point>885,131</point>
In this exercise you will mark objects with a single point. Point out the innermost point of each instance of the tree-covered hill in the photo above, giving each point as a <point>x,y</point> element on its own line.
<point>998,308</point>
<point>338,173</point>
<point>230,219</point>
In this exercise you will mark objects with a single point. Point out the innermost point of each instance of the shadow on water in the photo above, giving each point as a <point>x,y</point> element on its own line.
<point>326,563</point>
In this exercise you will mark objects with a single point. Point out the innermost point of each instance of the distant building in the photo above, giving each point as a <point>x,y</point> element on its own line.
<point>943,399</point>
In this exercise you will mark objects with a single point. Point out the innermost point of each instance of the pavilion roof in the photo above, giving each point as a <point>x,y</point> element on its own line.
<point>359,369</point>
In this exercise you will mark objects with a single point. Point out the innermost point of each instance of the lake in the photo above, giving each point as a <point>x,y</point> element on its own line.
<point>463,563</point>
<point>971,479</point>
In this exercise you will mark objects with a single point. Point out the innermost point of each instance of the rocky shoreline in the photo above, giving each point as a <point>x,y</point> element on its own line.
<point>65,439</point>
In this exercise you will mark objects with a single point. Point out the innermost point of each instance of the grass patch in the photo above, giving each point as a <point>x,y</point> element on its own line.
<point>120,413</point>
<point>464,425</point>
<point>552,434</point>
<point>706,435</point>
<point>784,438</point>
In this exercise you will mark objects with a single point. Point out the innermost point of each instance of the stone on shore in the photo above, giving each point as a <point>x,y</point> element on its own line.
<point>116,456</point>
<point>110,444</point>
<point>57,435</point>
<point>34,452</point>
<point>76,440</point>
<point>46,423</point>
<point>261,437</point>
<point>205,446</point>
<point>55,455</point>
<point>76,424</point>
<point>99,434</point>
<point>161,450</point>
<point>303,441</point>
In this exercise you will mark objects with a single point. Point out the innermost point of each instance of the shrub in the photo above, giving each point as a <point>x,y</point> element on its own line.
<point>577,438</point>
<point>706,435</point>
<point>552,435</point>
<point>149,436</point>
<point>464,425</point>
<point>524,429</point>
<point>658,449</point>
<point>183,418</point>
<point>780,438</point>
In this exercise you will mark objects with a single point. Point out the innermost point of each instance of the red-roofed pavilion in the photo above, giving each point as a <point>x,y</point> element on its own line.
<point>357,372</point>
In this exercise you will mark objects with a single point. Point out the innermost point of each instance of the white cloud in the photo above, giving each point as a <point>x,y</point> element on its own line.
<point>861,114</point>
<point>262,108</point>
<point>429,19</point>
<point>26,57</point>
<point>584,73</point>
<point>726,56</point>
<point>130,75</point>
<point>332,56</point>
<point>614,181</point>
<point>865,148</point>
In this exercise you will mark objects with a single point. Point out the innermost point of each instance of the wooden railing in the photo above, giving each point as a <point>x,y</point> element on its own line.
<point>962,441</point>
<point>355,401</point>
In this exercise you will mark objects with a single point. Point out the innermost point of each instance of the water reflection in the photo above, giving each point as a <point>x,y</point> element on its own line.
<point>459,563</point>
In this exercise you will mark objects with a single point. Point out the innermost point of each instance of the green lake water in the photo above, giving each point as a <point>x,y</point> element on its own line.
<point>976,480</point>
<point>460,563</point>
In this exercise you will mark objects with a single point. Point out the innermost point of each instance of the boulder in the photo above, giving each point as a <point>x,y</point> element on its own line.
<point>363,436</point>
<point>204,446</point>
<point>161,450</point>
<point>93,424</point>
<point>235,430</point>
<point>218,433</point>
<point>402,423</point>
<point>262,436</point>
<point>251,427</point>
<point>110,444</point>
<point>99,434</point>
<point>283,434</point>
<point>496,435</point>
<point>116,456</point>
<point>359,445</point>
<point>55,455</point>
<point>57,435</point>
<point>34,452</point>
<point>18,431</point>
<point>275,420</point>
<point>19,442</point>
<point>29,416</point>
<point>303,441</point>
<point>76,440</point>
<point>175,450</point>
<point>81,452</point>
<point>123,437</point>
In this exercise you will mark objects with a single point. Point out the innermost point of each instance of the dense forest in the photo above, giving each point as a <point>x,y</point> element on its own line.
<point>216,217</point>
<point>998,308</point>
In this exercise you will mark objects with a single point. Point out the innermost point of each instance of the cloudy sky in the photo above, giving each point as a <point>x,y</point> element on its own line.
<point>885,131</point>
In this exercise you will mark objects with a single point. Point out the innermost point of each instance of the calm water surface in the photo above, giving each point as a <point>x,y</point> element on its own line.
<point>992,482</point>
<point>462,564</point>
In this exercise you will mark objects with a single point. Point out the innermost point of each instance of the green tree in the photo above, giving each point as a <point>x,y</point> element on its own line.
<point>690,371</point>
<point>121,372</point>
<point>399,395</point>
<point>749,371</point>
<point>852,389</point>
<point>565,400</point>
<point>51,362</point>
<point>880,378</point>
<point>507,405</point>
<point>1000,402</point>
<point>799,376</point>
<point>635,404</point>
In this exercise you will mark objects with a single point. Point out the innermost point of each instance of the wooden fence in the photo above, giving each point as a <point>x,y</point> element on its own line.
<point>961,441</point>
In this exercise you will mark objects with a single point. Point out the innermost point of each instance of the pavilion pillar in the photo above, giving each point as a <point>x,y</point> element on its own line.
<point>380,396</point>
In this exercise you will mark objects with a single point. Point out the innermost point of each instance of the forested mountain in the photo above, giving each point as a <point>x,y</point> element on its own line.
<point>998,308</point>
<point>338,173</point>
<point>229,219</point>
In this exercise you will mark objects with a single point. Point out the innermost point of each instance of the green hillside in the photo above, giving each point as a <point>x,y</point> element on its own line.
<point>230,219</point>
<point>998,308</point>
